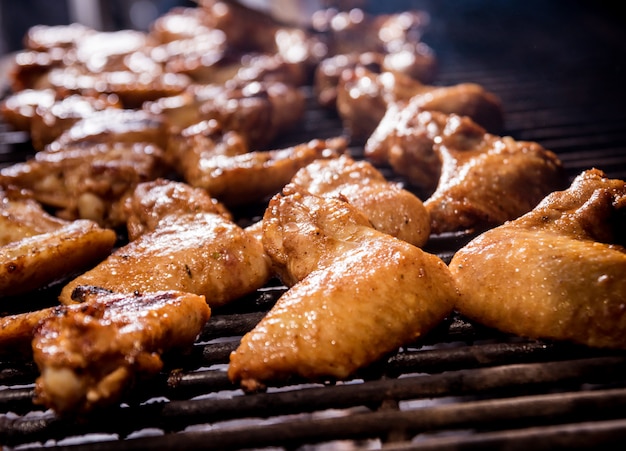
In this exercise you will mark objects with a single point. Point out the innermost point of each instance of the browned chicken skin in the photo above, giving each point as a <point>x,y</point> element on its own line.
<point>556,272</point>
<point>31,240</point>
<point>363,98</point>
<point>481,179</point>
<point>195,250</point>
<point>339,315</point>
<point>252,176</point>
<point>389,207</point>
<point>90,354</point>
<point>37,249</point>
<point>85,181</point>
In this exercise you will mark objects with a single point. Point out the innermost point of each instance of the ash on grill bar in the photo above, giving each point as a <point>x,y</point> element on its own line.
<point>344,90</point>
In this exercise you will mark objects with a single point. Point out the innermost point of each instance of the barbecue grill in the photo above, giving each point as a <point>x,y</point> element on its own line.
<point>559,68</point>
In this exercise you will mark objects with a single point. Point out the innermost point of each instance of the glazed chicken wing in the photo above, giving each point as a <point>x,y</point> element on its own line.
<point>357,294</point>
<point>363,98</point>
<point>253,176</point>
<point>481,179</point>
<point>194,250</point>
<point>37,249</point>
<point>88,181</point>
<point>557,272</point>
<point>90,354</point>
<point>389,207</point>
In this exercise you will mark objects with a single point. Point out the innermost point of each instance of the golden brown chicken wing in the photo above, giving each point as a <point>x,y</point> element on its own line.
<point>363,98</point>
<point>196,249</point>
<point>90,354</point>
<point>18,108</point>
<point>357,294</point>
<point>23,217</point>
<point>88,181</point>
<point>37,250</point>
<point>481,179</point>
<point>389,207</point>
<point>557,272</point>
<point>50,121</point>
<point>114,125</point>
<point>252,176</point>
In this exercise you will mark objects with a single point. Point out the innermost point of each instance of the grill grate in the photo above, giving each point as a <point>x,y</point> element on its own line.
<point>463,386</point>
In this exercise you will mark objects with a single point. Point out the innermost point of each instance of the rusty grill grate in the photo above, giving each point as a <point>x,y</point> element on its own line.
<point>558,69</point>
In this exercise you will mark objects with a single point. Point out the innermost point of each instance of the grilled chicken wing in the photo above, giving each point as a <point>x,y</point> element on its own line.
<point>22,217</point>
<point>357,294</point>
<point>389,207</point>
<point>363,98</point>
<point>252,176</point>
<point>90,354</point>
<point>37,249</point>
<point>18,109</point>
<point>481,179</point>
<point>114,125</point>
<point>88,181</point>
<point>557,272</point>
<point>17,332</point>
<point>196,250</point>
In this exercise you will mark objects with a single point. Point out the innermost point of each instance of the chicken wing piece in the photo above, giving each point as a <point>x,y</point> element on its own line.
<point>17,332</point>
<point>418,65</point>
<point>364,96</point>
<point>258,111</point>
<point>481,179</point>
<point>389,207</point>
<point>50,121</point>
<point>189,147</point>
<point>88,181</point>
<point>358,295</point>
<point>23,217</point>
<point>253,176</point>
<point>90,354</point>
<point>41,259</point>
<point>37,249</point>
<point>115,125</point>
<point>555,273</point>
<point>195,251</point>
<point>18,109</point>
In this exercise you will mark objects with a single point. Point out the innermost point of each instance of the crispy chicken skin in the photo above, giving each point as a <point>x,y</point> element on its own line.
<point>22,217</point>
<point>90,354</point>
<point>37,249</point>
<point>555,273</point>
<point>195,251</point>
<point>389,207</point>
<point>364,96</point>
<point>481,180</point>
<point>18,108</point>
<point>339,315</point>
<point>50,121</point>
<point>88,181</point>
<point>253,176</point>
<point>17,332</point>
<point>114,125</point>
<point>41,259</point>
